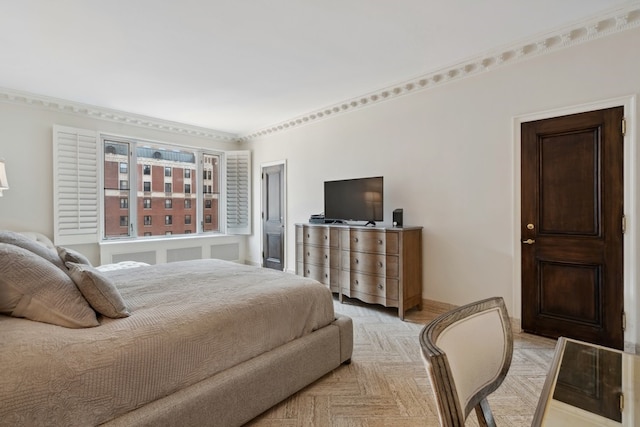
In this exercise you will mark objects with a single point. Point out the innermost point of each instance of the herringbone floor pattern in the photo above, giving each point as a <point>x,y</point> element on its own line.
<point>386,384</point>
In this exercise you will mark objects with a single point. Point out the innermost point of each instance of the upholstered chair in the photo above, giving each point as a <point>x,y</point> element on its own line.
<point>467,353</point>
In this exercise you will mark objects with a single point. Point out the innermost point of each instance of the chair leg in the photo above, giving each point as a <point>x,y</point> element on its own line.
<point>485,416</point>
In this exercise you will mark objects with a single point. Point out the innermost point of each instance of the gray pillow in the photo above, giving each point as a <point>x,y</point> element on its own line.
<point>101,293</point>
<point>33,288</point>
<point>32,246</point>
<point>69,255</point>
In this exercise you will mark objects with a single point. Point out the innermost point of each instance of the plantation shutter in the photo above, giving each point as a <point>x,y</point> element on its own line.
<point>238,192</point>
<point>75,186</point>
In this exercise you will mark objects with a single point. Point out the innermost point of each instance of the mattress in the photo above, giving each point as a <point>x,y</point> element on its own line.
<point>189,320</point>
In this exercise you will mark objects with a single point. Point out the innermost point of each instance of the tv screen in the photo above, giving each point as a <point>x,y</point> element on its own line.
<point>354,199</point>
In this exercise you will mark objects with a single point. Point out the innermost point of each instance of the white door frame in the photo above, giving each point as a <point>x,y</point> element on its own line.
<point>630,238</point>
<point>284,209</point>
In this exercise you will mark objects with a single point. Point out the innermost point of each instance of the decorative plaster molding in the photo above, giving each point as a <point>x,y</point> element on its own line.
<point>24,98</point>
<point>614,22</point>
<point>607,24</point>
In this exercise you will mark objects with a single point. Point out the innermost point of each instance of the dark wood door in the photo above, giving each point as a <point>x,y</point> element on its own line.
<point>572,213</point>
<point>273,217</point>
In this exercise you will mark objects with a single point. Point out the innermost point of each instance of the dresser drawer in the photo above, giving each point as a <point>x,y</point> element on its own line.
<point>320,236</point>
<point>320,255</point>
<point>370,241</point>
<point>326,275</point>
<point>357,283</point>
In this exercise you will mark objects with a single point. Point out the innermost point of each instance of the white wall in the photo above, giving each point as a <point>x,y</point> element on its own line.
<point>447,156</point>
<point>26,145</point>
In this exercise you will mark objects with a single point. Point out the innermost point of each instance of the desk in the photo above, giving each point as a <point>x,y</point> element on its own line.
<point>589,385</point>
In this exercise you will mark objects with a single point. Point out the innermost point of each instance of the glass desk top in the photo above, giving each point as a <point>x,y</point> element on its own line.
<point>590,385</point>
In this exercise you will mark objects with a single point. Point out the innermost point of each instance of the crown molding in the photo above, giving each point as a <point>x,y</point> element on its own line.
<point>55,104</point>
<point>616,21</point>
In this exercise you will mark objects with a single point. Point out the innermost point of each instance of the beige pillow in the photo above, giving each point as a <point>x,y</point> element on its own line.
<point>69,255</point>
<point>101,293</point>
<point>32,246</point>
<point>34,288</point>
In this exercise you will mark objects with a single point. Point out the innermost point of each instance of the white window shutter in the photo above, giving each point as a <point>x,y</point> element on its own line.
<point>75,186</point>
<point>238,197</point>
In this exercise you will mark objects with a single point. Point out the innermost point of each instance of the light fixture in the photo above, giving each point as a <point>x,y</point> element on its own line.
<point>4,184</point>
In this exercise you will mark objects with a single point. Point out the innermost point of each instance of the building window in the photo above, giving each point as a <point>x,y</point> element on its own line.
<point>147,220</point>
<point>124,220</point>
<point>147,233</point>
<point>187,231</point>
<point>191,166</point>
<point>168,233</point>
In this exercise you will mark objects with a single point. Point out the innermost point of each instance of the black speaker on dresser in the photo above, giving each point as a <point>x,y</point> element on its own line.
<point>397,218</point>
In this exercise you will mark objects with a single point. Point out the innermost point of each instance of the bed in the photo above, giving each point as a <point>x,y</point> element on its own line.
<point>202,342</point>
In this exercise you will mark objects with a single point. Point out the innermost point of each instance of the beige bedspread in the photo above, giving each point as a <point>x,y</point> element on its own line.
<point>189,320</point>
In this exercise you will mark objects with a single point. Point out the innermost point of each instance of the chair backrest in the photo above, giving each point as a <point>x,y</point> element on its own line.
<point>467,353</point>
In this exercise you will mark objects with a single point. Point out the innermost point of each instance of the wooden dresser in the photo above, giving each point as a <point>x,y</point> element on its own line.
<point>377,265</point>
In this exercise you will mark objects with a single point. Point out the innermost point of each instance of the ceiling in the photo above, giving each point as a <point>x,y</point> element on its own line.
<point>239,66</point>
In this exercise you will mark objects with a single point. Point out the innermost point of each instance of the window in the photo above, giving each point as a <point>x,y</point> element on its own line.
<point>147,233</point>
<point>207,203</point>
<point>124,167</point>
<point>168,203</point>
<point>167,171</point>
<point>124,221</point>
<point>147,220</point>
<point>187,219</point>
<point>168,219</point>
<point>141,185</point>
<point>187,231</point>
<point>207,219</point>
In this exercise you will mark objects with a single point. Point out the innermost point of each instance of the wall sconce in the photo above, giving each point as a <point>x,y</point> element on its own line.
<point>4,184</point>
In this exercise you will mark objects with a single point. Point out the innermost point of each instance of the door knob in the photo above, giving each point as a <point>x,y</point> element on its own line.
<point>529,241</point>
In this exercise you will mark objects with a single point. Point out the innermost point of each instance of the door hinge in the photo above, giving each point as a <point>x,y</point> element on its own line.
<point>624,224</point>
<point>624,321</point>
<point>624,127</point>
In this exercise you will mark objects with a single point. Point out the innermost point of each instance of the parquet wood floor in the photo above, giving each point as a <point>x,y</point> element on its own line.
<point>386,383</point>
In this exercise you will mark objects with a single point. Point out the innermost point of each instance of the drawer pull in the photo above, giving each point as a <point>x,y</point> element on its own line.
<point>326,275</point>
<point>326,237</point>
<point>355,239</point>
<point>379,241</point>
<point>380,286</point>
<point>357,261</point>
<point>357,283</point>
<point>308,271</point>
<point>380,264</point>
<point>308,253</point>
<point>326,256</point>
<point>308,236</point>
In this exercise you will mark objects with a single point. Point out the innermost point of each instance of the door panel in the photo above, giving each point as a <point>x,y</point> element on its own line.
<point>273,217</point>
<point>571,227</point>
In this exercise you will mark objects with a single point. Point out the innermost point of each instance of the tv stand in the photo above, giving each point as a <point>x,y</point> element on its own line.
<point>377,265</point>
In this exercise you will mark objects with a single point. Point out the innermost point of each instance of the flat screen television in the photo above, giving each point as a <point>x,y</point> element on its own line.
<point>358,199</point>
